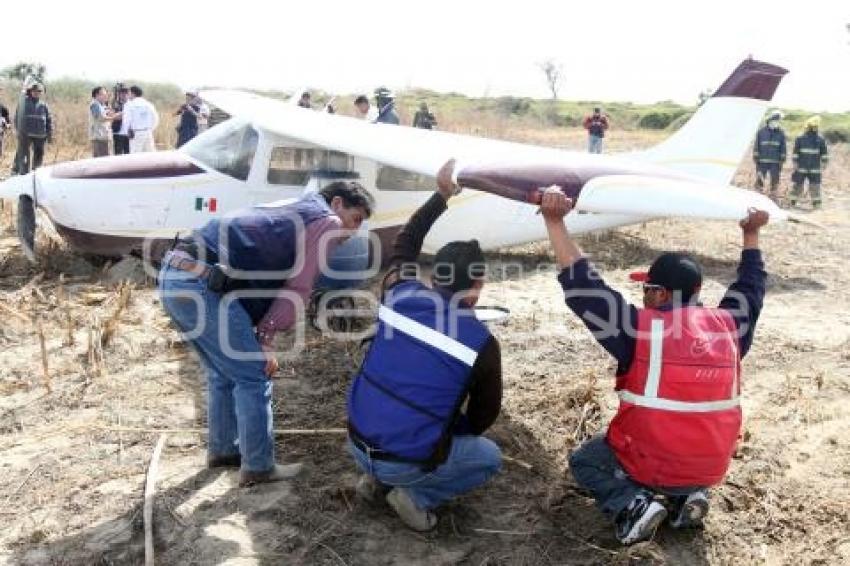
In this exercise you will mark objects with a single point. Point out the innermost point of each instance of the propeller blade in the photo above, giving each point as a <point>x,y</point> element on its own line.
<point>26,226</point>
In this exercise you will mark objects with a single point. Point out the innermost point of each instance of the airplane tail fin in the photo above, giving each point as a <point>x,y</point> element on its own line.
<point>712,143</point>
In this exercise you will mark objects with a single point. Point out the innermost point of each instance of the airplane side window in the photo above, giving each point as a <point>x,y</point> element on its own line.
<point>231,152</point>
<point>290,166</point>
<point>295,165</point>
<point>395,179</point>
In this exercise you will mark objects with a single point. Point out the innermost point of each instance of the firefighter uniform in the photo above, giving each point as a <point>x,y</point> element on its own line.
<point>769,154</point>
<point>810,158</point>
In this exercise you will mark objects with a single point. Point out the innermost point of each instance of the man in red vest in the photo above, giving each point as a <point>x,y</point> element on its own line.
<point>678,379</point>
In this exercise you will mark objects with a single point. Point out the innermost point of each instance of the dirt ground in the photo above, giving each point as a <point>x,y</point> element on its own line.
<point>73,460</point>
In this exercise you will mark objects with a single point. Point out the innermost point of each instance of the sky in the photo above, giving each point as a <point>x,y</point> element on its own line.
<point>639,51</point>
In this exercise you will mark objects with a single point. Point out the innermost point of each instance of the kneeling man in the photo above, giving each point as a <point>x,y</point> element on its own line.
<point>431,382</point>
<point>678,379</point>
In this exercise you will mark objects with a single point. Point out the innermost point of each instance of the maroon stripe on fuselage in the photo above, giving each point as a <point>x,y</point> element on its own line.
<point>752,79</point>
<point>522,182</point>
<point>152,165</point>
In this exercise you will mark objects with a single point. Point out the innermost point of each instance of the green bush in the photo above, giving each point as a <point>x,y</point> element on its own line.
<point>837,135</point>
<point>659,120</point>
<point>511,105</point>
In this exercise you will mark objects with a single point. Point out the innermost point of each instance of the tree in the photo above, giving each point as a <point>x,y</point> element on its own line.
<point>554,72</point>
<point>703,96</point>
<point>20,71</point>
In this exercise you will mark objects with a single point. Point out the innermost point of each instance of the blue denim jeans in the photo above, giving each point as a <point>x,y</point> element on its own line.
<point>239,412</point>
<point>472,461</point>
<point>594,144</point>
<point>595,468</point>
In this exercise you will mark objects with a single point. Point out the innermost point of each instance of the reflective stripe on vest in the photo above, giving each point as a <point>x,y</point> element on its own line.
<point>430,336</point>
<point>650,398</point>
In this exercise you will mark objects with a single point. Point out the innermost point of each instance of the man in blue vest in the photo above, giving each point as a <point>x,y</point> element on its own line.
<point>230,288</point>
<point>429,359</point>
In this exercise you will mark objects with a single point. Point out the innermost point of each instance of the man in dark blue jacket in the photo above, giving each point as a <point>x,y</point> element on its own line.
<point>769,154</point>
<point>429,359</point>
<point>810,159</point>
<point>35,127</point>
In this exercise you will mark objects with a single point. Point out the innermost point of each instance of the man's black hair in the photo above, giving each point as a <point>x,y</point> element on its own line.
<point>458,265</point>
<point>361,99</point>
<point>136,90</point>
<point>352,194</point>
<point>96,90</point>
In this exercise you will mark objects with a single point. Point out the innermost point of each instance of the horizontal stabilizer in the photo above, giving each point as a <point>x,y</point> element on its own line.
<point>659,197</point>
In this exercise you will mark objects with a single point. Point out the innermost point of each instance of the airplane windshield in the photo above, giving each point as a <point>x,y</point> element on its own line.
<point>228,148</point>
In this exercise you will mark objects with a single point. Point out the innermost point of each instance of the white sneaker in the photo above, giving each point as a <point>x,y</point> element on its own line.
<point>639,521</point>
<point>690,511</point>
<point>417,519</point>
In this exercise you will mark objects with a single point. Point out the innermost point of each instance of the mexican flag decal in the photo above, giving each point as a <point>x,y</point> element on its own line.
<point>202,203</point>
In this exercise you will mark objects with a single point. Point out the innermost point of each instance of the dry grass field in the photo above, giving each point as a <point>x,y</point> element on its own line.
<point>76,436</point>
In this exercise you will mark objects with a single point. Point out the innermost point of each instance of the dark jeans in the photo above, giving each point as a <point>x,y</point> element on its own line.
<point>121,144</point>
<point>24,162</point>
<point>765,170</point>
<point>595,468</point>
<point>99,148</point>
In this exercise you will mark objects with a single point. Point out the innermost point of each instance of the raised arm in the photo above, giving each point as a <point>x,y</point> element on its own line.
<point>604,311</point>
<point>408,242</point>
<point>745,297</point>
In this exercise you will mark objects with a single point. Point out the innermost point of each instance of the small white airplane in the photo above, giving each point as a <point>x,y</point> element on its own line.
<point>271,150</point>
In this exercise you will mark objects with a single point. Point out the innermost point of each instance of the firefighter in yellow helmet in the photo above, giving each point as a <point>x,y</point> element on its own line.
<point>810,159</point>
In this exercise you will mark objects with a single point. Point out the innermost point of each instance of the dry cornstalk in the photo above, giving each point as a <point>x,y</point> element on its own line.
<point>12,312</point>
<point>94,354</point>
<point>110,327</point>
<point>44,365</point>
<point>150,491</point>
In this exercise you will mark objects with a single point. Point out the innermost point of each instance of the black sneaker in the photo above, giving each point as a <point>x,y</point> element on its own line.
<point>638,521</point>
<point>689,512</point>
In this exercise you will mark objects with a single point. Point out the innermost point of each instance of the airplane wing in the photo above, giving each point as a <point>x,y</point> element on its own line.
<point>615,184</point>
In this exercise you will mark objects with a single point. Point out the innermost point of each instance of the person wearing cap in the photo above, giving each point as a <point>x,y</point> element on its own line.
<point>424,118</point>
<point>678,379</point>
<point>810,159</point>
<point>189,113</point>
<point>385,103</point>
<point>431,382</point>
<point>769,154</point>
<point>596,125</point>
<point>139,121</point>
<point>35,127</point>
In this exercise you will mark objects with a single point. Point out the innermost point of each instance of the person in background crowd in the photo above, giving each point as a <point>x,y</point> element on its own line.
<point>100,118</point>
<point>424,118</point>
<point>120,142</point>
<point>35,127</point>
<point>189,114</point>
<point>305,100</point>
<point>769,154</point>
<point>385,102</point>
<point>596,125</point>
<point>363,109</point>
<point>810,159</point>
<point>5,122</point>
<point>140,120</point>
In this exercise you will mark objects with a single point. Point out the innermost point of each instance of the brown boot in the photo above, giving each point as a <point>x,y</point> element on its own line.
<point>224,461</point>
<point>279,472</point>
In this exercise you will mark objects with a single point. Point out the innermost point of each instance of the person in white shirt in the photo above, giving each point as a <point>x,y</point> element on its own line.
<point>140,119</point>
